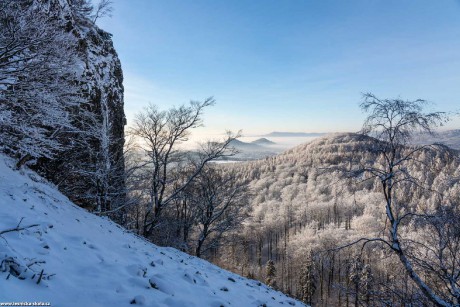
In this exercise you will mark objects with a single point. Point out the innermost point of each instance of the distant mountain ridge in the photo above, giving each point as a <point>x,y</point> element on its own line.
<point>254,150</point>
<point>293,134</point>
<point>259,144</point>
<point>449,138</point>
<point>238,143</point>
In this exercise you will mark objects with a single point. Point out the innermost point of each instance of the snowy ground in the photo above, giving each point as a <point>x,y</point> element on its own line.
<point>73,258</point>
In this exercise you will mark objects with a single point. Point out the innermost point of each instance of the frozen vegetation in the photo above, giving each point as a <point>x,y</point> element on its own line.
<point>366,219</point>
<point>59,253</point>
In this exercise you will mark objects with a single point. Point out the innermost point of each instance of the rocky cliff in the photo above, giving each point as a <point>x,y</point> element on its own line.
<point>91,173</point>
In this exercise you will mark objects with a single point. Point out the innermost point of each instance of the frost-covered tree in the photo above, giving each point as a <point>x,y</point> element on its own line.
<point>360,277</point>
<point>220,204</point>
<point>36,74</point>
<point>392,124</point>
<point>160,134</point>
<point>92,11</point>
<point>307,279</point>
<point>366,282</point>
<point>270,273</point>
<point>354,275</point>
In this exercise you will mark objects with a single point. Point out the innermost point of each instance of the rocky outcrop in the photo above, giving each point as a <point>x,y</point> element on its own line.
<point>91,173</point>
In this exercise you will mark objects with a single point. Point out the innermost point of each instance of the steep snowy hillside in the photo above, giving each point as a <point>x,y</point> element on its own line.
<point>57,252</point>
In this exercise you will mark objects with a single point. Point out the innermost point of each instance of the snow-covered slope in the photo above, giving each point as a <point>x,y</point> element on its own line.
<point>73,258</point>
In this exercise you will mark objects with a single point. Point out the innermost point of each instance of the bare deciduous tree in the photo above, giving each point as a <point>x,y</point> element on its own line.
<point>392,124</point>
<point>220,203</point>
<point>102,9</point>
<point>160,133</point>
<point>92,11</point>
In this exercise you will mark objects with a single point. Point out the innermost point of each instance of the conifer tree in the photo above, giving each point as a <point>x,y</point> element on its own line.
<point>307,280</point>
<point>270,274</point>
<point>366,280</point>
<point>354,275</point>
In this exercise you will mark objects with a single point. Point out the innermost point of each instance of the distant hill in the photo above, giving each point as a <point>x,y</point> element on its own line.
<point>449,138</point>
<point>259,144</point>
<point>293,134</point>
<point>257,149</point>
<point>263,142</point>
<point>244,145</point>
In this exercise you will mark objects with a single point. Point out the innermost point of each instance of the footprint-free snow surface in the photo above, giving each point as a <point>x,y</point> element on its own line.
<point>61,254</point>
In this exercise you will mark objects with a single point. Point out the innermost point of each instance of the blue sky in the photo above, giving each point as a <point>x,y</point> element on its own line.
<point>286,65</point>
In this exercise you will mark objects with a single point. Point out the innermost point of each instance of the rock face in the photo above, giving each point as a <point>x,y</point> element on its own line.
<point>104,91</point>
<point>93,169</point>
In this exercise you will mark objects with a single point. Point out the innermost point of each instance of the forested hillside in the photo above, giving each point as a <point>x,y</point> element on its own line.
<point>304,208</point>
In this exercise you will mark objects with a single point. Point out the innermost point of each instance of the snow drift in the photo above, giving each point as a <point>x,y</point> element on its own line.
<point>53,251</point>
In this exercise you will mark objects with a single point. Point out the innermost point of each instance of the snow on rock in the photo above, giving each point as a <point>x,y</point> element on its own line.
<point>59,253</point>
